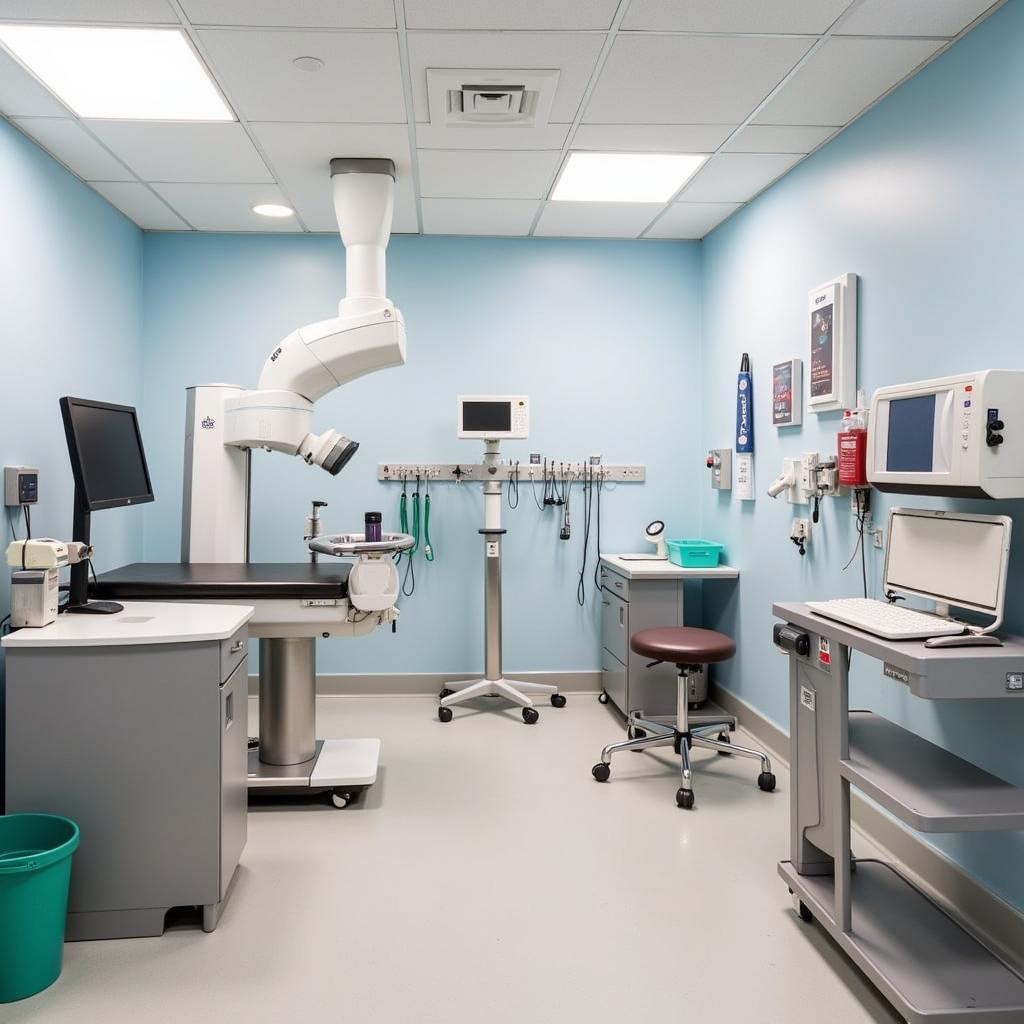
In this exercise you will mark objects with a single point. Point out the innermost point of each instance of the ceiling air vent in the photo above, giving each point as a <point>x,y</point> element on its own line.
<point>467,96</point>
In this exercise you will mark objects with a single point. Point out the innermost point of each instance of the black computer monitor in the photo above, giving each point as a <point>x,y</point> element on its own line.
<point>109,466</point>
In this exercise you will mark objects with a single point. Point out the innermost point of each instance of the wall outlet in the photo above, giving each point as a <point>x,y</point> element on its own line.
<point>878,537</point>
<point>800,530</point>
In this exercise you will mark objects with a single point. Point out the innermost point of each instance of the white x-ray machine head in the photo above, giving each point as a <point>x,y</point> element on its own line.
<point>226,422</point>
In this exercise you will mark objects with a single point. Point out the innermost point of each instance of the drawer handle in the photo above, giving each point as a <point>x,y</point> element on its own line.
<point>237,646</point>
<point>618,584</point>
<point>605,603</point>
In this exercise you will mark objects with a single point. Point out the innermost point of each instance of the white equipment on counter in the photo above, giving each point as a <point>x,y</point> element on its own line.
<point>35,583</point>
<point>950,436</point>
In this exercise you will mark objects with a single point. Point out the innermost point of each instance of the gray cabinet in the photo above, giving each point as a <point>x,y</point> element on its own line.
<point>144,746</point>
<point>629,605</point>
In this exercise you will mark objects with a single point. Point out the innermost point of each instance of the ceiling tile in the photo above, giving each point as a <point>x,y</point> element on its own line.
<point>290,14</point>
<point>167,151</point>
<point>226,207</point>
<point>691,220</point>
<point>121,11</point>
<point>689,79</point>
<point>301,155</point>
<point>499,14</point>
<point>844,77</point>
<point>21,95</point>
<point>913,17</point>
<point>491,136</point>
<point>478,216</point>
<point>492,174</point>
<point>811,16</point>
<point>770,138</point>
<point>573,55</point>
<point>596,220</point>
<point>736,177</point>
<point>139,204</point>
<point>361,79</point>
<point>70,143</point>
<point>652,138</point>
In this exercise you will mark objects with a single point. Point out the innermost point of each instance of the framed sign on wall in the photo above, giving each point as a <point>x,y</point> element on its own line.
<point>787,393</point>
<point>832,321</point>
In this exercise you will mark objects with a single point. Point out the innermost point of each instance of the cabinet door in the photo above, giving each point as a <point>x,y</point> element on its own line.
<point>234,771</point>
<point>613,680</point>
<point>615,625</point>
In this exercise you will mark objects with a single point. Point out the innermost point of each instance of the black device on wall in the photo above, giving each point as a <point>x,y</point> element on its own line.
<point>109,466</point>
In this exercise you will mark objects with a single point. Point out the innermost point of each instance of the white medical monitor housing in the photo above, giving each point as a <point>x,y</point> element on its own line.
<point>954,558</point>
<point>959,436</point>
<point>493,417</point>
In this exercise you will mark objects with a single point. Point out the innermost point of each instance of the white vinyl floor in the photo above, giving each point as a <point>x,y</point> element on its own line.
<point>487,879</point>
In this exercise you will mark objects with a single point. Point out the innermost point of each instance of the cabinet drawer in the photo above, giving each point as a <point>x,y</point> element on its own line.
<point>232,651</point>
<point>615,625</point>
<point>614,583</point>
<point>613,680</point>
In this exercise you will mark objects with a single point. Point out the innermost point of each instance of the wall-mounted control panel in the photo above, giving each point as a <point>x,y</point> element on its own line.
<point>21,486</point>
<point>719,461</point>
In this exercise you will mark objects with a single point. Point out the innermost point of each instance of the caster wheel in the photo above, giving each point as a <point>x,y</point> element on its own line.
<point>445,693</point>
<point>530,716</point>
<point>444,714</point>
<point>766,781</point>
<point>684,799</point>
<point>802,910</point>
<point>557,700</point>
<point>254,742</point>
<point>601,771</point>
<point>341,798</point>
<point>724,737</point>
<point>602,698</point>
<point>732,727</point>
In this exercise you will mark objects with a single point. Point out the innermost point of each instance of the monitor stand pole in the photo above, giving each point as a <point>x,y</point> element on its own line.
<point>494,684</point>
<point>78,595</point>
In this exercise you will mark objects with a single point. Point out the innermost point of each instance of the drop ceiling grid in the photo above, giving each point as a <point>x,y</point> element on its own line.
<point>556,32</point>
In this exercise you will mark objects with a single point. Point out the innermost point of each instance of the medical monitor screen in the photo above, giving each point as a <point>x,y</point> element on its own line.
<point>107,457</point>
<point>484,416</point>
<point>957,561</point>
<point>911,435</point>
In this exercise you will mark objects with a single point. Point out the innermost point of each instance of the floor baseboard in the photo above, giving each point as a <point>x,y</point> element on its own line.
<point>996,922</point>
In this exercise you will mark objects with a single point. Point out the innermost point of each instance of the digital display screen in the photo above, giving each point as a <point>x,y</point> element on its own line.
<point>911,435</point>
<point>110,454</point>
<point>822,352</point>
<point>482,416</point>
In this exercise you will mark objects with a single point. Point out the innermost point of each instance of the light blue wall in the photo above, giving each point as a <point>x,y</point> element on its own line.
<point>601,335</point>
<point>70,323</point>
<point>922,199</point>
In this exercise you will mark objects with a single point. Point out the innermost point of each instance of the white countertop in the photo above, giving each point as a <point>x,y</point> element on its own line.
<point>662,569</point>
<point>141,622</point>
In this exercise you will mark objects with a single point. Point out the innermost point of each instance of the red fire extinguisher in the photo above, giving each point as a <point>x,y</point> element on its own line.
<point>853,449</point>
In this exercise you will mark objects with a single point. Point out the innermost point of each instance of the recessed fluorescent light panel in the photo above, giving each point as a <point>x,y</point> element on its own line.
<point>625,177</point>
<point>143,74</point>
<point>272,210</point>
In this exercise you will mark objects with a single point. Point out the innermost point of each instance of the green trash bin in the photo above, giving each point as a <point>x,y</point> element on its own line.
<point>35,871</point>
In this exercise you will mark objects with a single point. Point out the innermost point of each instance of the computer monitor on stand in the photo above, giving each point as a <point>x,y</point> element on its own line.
<point>109,466</point>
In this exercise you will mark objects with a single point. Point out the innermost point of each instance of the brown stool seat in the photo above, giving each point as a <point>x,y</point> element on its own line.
<point>683,645</point>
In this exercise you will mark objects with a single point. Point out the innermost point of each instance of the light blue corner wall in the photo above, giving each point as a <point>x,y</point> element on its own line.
<point>922,199</point>
<point>601,335</point>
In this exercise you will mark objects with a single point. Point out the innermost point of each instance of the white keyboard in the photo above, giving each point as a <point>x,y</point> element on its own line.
<point>886,620</point>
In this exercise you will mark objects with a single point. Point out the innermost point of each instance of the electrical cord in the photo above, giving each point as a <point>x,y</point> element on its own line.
<point>513,486</point>
<point>28,522</point>
<point>403,516</point>
<point>588,505</point>
<point>859,547</point>
<point>533,488</point>
<point>4,627</point>
<point>597,555</point>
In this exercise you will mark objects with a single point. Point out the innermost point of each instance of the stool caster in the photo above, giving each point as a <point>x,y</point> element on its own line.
<point>766,781</point>
<point>341,798</point>
<point>602,697</point>
<point>557,700</point>
<point>724,737</point>
<point>445,693</point>
<point>684,799</point>
<point>601,771</point>
<point>530,716</point>
<point>444,714</point>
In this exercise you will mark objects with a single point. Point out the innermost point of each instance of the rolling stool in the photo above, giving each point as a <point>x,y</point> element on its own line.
<point>688,649</point>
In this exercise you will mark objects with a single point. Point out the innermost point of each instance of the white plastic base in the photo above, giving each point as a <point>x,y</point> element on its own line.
<point>511,689</point>
<point>337,763</point>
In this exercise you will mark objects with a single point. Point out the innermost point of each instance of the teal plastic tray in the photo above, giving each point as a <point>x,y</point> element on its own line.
<point>694,554</point>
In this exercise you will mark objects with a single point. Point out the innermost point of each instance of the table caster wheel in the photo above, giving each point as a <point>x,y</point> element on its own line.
<point>444,714</point>
<point>602,697</point>
<point>724,737</point>
<point>684,799</point>
<point>601,771</point>
<point>766,781</point>
<point>530,716</point>
<point>445,693</point>
<point>802,910</point>
<point>254,742</point>
<point>557,700</point>
<point>341,798</point>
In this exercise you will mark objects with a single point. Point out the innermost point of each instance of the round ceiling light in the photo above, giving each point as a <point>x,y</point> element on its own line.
<point>308,63</point>
<point>272,210</point>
